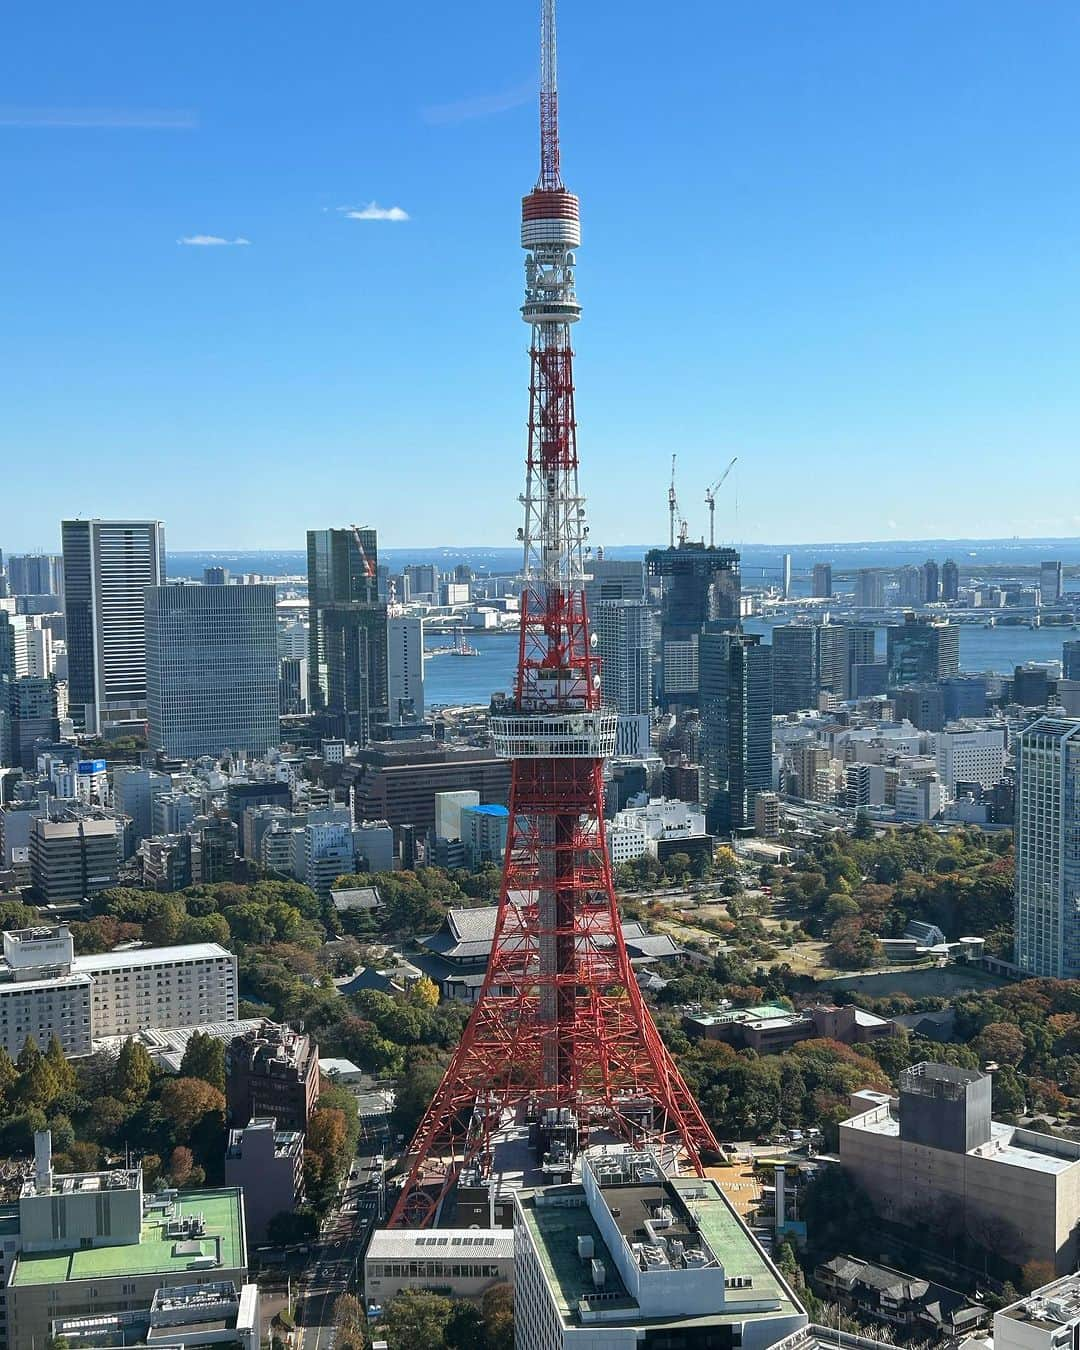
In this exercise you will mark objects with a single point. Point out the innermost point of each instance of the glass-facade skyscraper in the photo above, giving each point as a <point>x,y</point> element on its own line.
<point>212,669</point>
<point>1047,835</point>
<point>701,584</point>
<point>347,664</point>
<point>108,564</point>
<point>736,726</point>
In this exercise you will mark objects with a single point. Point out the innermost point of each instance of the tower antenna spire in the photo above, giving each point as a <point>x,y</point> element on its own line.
<point>550,175</point>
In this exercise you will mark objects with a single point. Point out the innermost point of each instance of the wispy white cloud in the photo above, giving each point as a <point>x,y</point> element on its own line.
<point>479,105</point>
<point>211,241</point>
<point>373,211</point>
<point>109,119</point>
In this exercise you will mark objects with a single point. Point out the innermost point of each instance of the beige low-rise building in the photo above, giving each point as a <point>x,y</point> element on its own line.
<point>933,1156</point>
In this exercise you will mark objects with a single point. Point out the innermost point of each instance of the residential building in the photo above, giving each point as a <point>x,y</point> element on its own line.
<point>912,586</point>
<point>405,668</point>
<point>241,793</point>
<point>272,1072</point>
<point>869,588</point>
<point>328,853</point>
<point>1047,909</point>
<point>483,833</point>
<point>931,578</point>
<point>699,585</point>
<point>950,581</point>
<point>921,650</point>
<point>212,669</point>
<point>267,1166</point>
<point>736,726</point>
<point>971,754</point>
<point>1051,585</point>
<point>624,642</point>
<point>108,565</point>
<point>92,1245</point>
<point>72,859</point>
<point>347,662</point>
<point>462,1262</point>
<point>811,764</point>
<point>636,1257</point>
<point>936,1150</point>
<point>166,862</point>
<point>767,815</point>
<point>899,1300</point>
<point>822,581</point>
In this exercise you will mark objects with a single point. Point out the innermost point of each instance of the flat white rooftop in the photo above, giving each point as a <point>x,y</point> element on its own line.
<point>150,956</point>
<point>999,1148</point>
<point>403,1243</point>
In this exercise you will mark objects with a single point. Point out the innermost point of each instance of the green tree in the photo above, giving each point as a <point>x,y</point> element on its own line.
<point>134,1072</point>
<point>204,1057</point>
<point>290,1226</point>
<point>497,1307</point>
<point>464,1327</point>
<point>414,1093</point>
<point>9,1075</point>
<point>61,1066</point>
<point>416,1320</point>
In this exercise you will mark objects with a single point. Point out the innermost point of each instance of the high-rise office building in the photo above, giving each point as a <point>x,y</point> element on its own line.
<point>293,684</point>
<point>347,671</point>
<point>1051,585</point>
<point>405,667</point>
<point>950,580</point>
<point>701,584</point>
<point>33,717</point>
<point>807,660</point>
<point>613,579</point>
<point>423,579</point>
<point>624,640</point>
<point>1047,896</point>
<point>870,588</point>
<point>215,576</point>
<point>862,649</point>
<point>921,650</point>
<point>108,565</point>
<point>822,584</point>
<point>1070,659</point>
<point>794,667</point>
<point>212,669</point>
<point>35,574</point>
<point>931,575</point>
<point>785,576</point>
<point>911,584</point>
<point>736,726</point>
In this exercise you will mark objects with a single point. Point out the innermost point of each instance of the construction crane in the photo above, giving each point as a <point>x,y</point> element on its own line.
<point>710,498</point>
<point>673,512</point>
<point>369,566</point>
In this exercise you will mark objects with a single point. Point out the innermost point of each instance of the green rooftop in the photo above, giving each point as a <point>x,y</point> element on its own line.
<point>555,1230</point>
<point>730,1241</point>
<point>154,1254</point>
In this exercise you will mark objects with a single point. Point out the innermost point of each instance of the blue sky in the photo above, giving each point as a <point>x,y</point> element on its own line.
<point>836,239</point>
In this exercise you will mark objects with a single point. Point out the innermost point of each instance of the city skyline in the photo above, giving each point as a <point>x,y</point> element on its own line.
<point>890,186</point>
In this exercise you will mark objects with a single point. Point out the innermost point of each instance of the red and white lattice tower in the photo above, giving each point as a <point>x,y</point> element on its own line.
<point>560,1021</point>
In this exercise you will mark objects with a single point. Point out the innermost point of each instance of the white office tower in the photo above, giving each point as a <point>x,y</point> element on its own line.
<point>405,668</point>
<point>624,643</point>
<point>971,754</point>
<point>1047,897</point>
<point>108,565</point>
<point>212,669</point>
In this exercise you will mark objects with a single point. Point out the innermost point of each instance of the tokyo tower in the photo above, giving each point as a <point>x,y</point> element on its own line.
<point>560,1037</point>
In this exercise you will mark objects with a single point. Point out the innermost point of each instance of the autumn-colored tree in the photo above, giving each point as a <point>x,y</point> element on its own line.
<point>326,1133</point>
<point>186,1101</point>
<point>181,1164</point>
<point>1034,1274</point>
<point>151,1170</point>
<point>498,1310</point>
<point>425,993</point>
<point>1000,1041</point>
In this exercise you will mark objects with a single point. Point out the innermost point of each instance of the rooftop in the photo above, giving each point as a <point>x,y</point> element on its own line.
<point>150,956</point>
<point>1054,1305</point>
<point>413,1244</point>
<point>155,1254</point>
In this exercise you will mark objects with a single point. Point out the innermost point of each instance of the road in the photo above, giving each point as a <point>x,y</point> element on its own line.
<point>335,1261</point>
